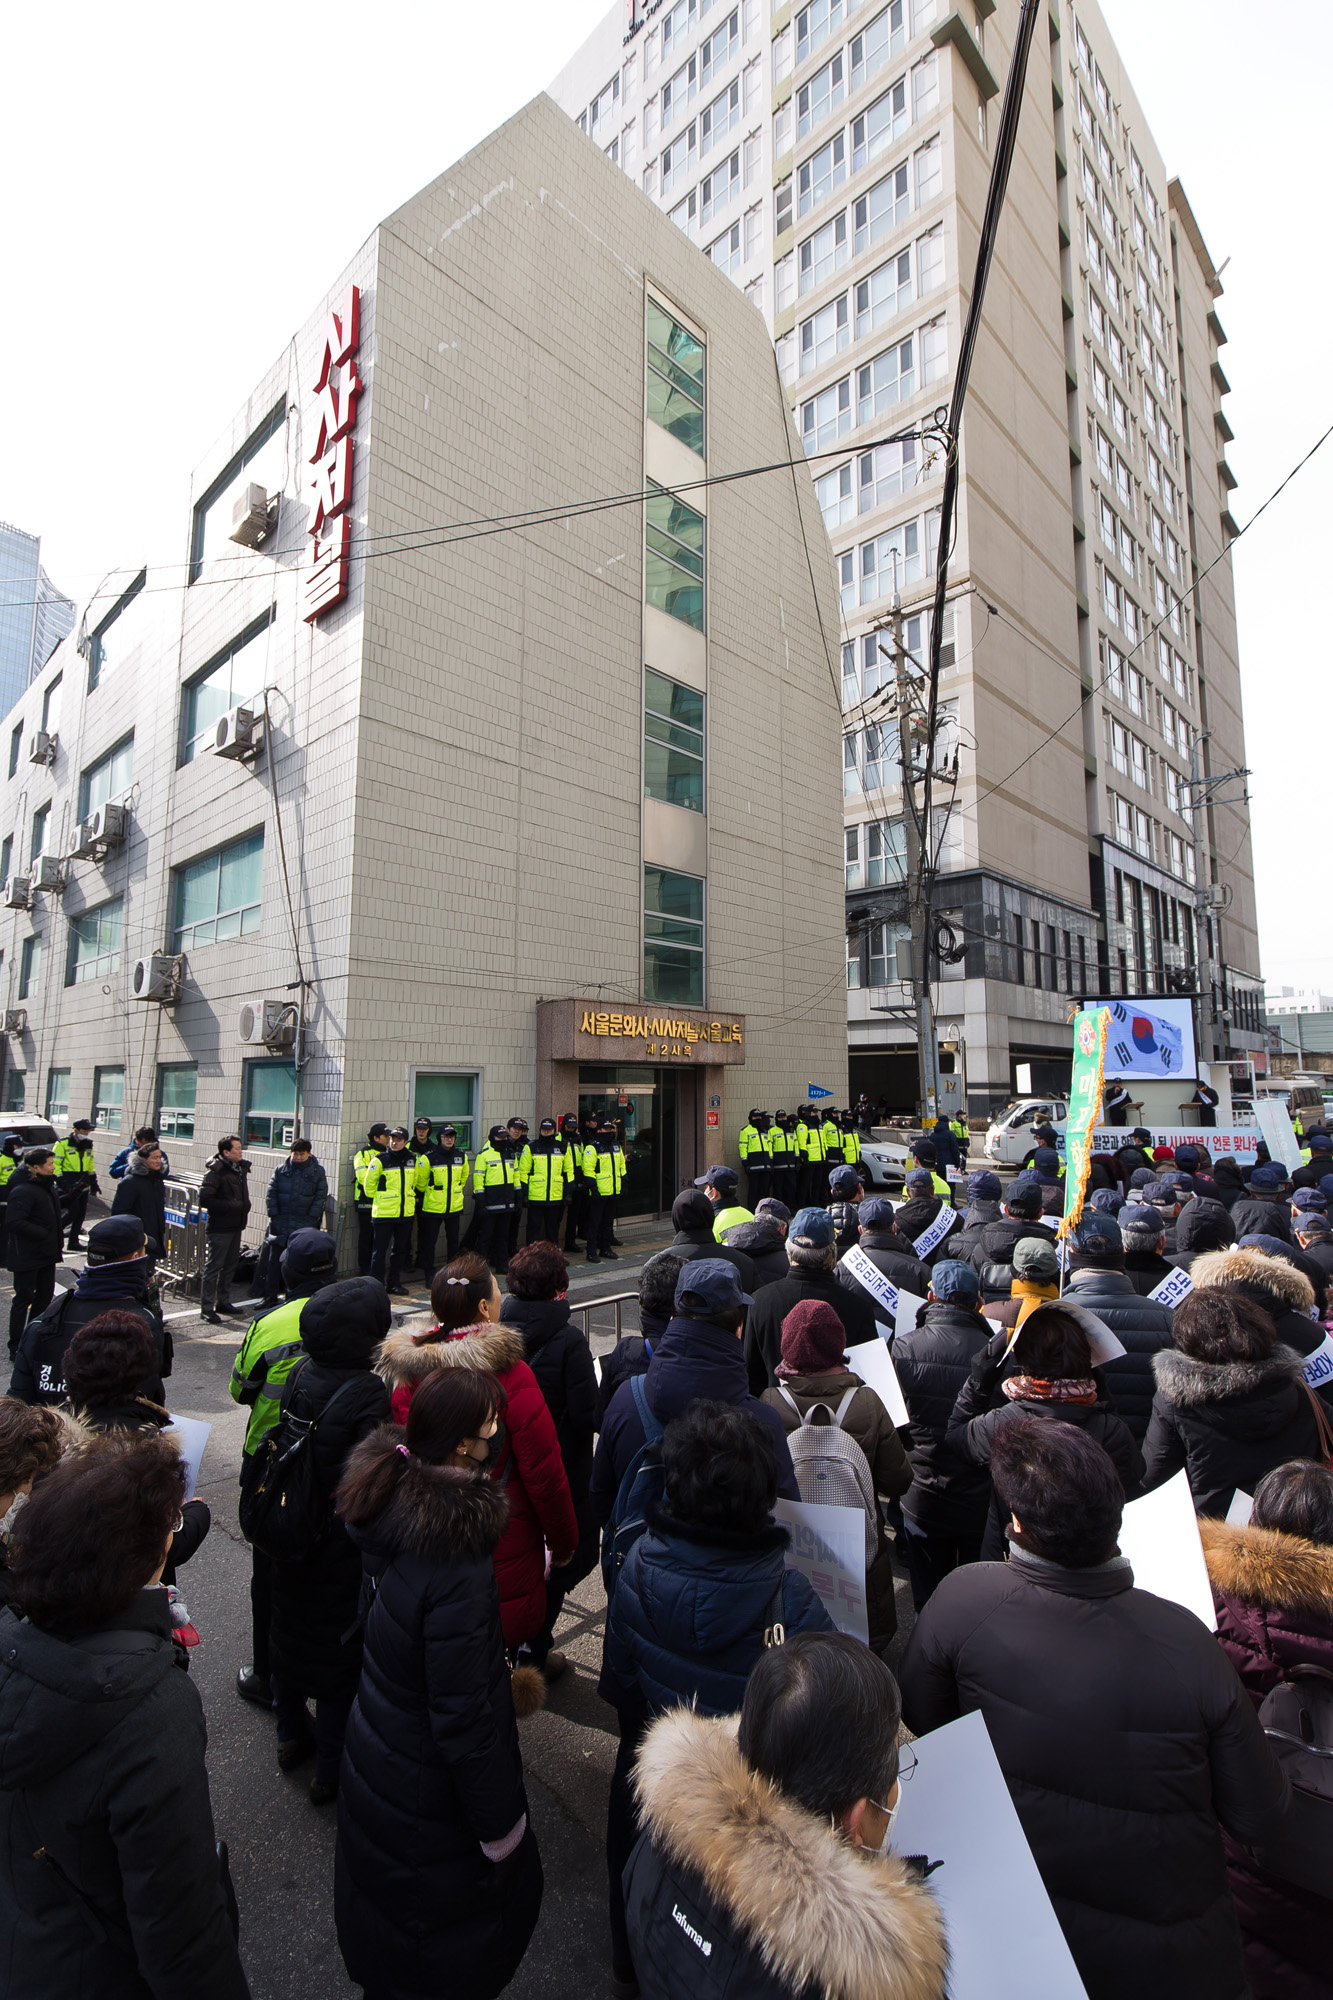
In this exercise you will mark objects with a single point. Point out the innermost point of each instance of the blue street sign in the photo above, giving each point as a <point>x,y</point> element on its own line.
<point>814,1091</point>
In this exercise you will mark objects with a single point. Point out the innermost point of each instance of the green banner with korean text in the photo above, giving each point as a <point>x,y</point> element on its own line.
<point>1085,1105</point>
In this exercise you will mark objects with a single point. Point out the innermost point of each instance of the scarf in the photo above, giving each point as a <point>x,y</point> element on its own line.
<point>1042,1389</point>
<point>126,1279</point>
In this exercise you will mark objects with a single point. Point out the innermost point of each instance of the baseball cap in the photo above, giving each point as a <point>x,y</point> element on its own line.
<point>1094,1228</point>
<point>1142,1177</point>
<point>1187,1157</point>
<point>82,1125</point>
<point>1035,1258</point>
<point>116,1236</point>
<point>1108,1201</point>
<point>1270,1175</point>
<point>1272,1246</point>
<point>449,1131</point>
<point>416,1122</point>
<point>919,1178</point>
<point>952,1281</point>
<point>376,1129</point>
<point>706,1286</point>
<point>1308,1197</point>
<point>844,1180</point>
<point>812,1229</point>
<point>1141,1135</point>
<point>983,1186</point>
<point>1023,1188</point>
<point>1046,1160</point>
<point>1320,1142</point>
<point>875,1213</point>
<point>1139,1217</point>
<point>1309,1222</point>
<point>775,1210</point>
<point>309,1250</point>
<point>1159,1194</point>
<point>399,1132</point>
<point>720,1178</point>
<point>548,1125</point>
<point>924,1150</point>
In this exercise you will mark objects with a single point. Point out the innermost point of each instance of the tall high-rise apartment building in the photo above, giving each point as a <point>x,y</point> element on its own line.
<point>834,159</point>
<point>34,615</point>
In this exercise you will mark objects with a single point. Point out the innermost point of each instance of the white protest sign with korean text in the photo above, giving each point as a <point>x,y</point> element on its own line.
<point>828,1547</point>
<point>872,1361</point>
<point>1005,1942</point>
<point>1160,1535</point>
<point>1173,1289</point>
<point>1232,1142</point>
<point>191,1435</point>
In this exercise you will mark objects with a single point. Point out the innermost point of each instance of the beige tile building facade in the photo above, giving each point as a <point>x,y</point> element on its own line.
<point>1089,694</point>
<point>506,836</point>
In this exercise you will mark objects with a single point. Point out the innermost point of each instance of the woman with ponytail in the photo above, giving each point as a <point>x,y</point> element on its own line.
<point>525,1460</point>
<point>437,1866</point>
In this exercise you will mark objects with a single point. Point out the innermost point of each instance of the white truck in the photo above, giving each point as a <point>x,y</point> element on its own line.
<point>1009,1138</point>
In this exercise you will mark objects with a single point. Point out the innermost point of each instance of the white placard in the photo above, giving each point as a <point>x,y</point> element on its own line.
<point>938,1230</point>
<point>1160,1535</point>
<point>1173,1289</point>
<point>1317,1368</point>
<point>1276,1130</point>
<point>956,1809</point>
<point>872,1361</point>
<point>1240,1510</point>
<point>909,1305</point>
<point>191,1434</point>
<point>828,1547</point>
<point>1105,1345</point>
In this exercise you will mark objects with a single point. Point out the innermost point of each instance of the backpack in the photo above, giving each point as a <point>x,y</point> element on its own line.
<point>641,1488</point>
<point>284,1510</point>
<point>1297,1718</point>
<point>831,1468</point>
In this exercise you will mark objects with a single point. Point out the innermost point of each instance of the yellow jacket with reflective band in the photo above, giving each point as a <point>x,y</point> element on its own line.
<point>393,1181</point>
<point>548,1173</point>
<point>959,1129</point>
<point>810,1143</point>
<point>782,1146</point>
<point>7,1167</point>
<point>269,1352</point>
<point>832,1136</point>
<point>604,1169</point>
<point>727,1218</point>
<point>522,1164</point>
<point>851,1149</point>
<point>752,1143</point>
<point>492,1169</point>
<point>360,1161</point>
<point>447,1184</point>
<point>74,1158</point>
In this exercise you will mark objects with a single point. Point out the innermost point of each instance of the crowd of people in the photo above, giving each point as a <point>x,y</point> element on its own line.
<point>421,1497</point>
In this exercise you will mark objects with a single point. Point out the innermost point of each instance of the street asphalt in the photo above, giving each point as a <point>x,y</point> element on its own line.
<point>281,1846</point>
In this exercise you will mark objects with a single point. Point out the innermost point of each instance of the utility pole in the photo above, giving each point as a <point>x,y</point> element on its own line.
<point>927,1055</point>
<point>1210,899</point>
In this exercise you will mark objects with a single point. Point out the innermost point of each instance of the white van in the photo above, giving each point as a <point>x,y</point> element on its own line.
<point>1009,1139</point>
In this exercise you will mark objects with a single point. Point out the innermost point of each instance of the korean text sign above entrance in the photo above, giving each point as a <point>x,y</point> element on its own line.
<point>572,1031</point>
<point>333,421</point>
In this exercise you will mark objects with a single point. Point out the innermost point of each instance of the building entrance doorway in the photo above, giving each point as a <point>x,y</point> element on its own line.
<point>646,1106</point>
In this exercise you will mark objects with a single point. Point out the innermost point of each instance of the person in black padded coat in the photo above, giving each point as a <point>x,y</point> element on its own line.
<point>316,1638</point>
<point>1098,1280</point>
<point>437,1879</point>
<point>559,1356</point>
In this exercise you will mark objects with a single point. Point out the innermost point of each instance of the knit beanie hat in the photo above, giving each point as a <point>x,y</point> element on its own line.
<point>814,1339</point>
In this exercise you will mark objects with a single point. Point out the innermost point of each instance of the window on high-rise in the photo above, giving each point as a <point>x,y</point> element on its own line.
<point>219,897</point>
<point>675,378</point>
<point>673,937</point>
<point>109,778</point>
<point>673,746</point>
<point>674,557</point>
<point>232,678</point>
<point>94,943</point>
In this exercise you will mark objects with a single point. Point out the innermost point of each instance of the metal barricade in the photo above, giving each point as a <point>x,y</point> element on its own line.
<point>618,1299</point>
<point>182,1259</point>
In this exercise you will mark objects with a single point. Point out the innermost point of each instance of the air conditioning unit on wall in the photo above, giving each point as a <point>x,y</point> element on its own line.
<point>239,733</point>
<point>269,1024</point>
<point>106,827</point>
<point>158,977</point>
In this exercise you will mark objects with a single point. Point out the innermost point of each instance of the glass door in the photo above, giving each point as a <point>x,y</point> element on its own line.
<point>631,1099</point>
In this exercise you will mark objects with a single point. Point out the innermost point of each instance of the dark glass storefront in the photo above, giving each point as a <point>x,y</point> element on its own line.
<point>647,1106</point>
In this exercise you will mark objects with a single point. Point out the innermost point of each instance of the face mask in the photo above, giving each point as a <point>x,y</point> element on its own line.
<point>492,1453</point>
<point>883,1847</point>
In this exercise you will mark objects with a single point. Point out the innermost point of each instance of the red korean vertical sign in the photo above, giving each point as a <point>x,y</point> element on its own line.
<point>337,388</point>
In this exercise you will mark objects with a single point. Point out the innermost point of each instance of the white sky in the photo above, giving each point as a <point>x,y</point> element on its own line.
<point>181,181</point>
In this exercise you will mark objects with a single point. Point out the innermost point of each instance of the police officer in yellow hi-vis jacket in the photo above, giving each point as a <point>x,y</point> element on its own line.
<point>547,1168</point>
<point>495,1196</point>
<point>442,1202</point>
<point>753,1144</point>
<point>378,1139</point>
<point>785,1160</point>
<point>517,1128</point>
<point>830,1131</point>
<point>604,1172</point>
<point>394,1180</point>
<point>813,1192</point>
<point>851,1144</point>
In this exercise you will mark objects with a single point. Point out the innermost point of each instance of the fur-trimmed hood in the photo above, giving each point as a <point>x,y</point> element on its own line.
<point>1288,1289</point>
<point>1260,1566</point>
<point>436,1511</point>
<point>855,1926</point>
<point>409,1358</point>
<point>1189,1384</point>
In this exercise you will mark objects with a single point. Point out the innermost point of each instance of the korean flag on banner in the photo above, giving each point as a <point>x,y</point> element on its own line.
<point>1142,1042</point>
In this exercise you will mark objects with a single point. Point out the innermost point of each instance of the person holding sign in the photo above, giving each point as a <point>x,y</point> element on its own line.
<point>817,1388</point>
<point>893,1256</point>
<point>812,1252</point>
<point>763,1866</point>
<point>1098,1280</point>
<point>1121,1730</point>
